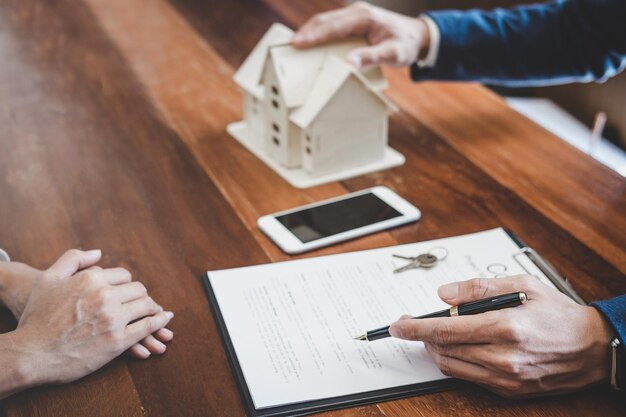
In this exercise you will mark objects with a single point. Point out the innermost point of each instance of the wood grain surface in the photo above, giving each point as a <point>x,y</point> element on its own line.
<point>112,136</point>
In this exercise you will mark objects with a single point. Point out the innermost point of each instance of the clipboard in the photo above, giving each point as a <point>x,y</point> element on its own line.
<point>370,397</point>
<point>546,267</point>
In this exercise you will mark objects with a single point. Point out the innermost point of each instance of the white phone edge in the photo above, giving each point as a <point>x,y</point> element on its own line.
<point>290,244</point>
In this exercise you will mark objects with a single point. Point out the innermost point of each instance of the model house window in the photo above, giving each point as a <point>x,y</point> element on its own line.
<point>276,141</point>
<point>275,104</point>
<point>308,150</point>
<point>274,90</point>
<point>275,127</point>
<point>308,138</point>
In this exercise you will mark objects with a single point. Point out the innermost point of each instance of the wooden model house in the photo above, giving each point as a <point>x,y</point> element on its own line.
<point>248,77</point>
<point>343,122</point>
<point>308,111</point>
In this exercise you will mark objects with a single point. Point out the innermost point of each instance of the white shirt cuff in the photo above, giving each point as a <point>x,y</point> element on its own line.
<point>4,257</point>
<point>435,38</point>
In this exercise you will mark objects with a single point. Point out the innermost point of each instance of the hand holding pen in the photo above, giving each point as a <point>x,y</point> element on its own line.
<point>550,344</point>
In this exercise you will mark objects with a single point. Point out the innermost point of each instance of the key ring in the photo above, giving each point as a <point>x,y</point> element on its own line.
<point>441,249</point>
<point>498,270</point>
<point>426,260</point>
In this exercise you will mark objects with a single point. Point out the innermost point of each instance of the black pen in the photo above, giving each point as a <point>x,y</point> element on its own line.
<point>474,307</point>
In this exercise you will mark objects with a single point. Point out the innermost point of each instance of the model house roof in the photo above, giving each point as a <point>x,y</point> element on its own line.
<point>298,69</point>
<point>333,74</point>
<point>248,76</point>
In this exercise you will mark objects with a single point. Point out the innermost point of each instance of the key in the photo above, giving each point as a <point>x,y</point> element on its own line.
<point>425,260</point>
<point>406,258</point>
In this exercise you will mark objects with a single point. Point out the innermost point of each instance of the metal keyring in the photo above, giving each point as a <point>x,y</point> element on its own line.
<point>441,248</point>
<point>497,268</point>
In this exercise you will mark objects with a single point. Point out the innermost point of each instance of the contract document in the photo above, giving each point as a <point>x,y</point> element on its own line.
<point>291,324</point>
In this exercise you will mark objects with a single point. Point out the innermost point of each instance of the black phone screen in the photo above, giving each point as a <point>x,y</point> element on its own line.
<point>337,217</point>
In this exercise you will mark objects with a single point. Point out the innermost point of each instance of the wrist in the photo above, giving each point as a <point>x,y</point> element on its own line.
<point>423,39</point>
<point>16,283</point>
<point>602,335</point>
<point>429,41</point>
<point>19,365</point>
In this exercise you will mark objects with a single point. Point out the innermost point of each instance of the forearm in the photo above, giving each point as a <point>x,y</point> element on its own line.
<point>543,44</point>
<point>16,283</point>
<point>17,369</point>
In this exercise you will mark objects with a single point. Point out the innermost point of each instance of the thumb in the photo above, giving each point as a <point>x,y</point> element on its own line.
<point>370,56</point>
<point>475,289</point>
<point>72,261</point>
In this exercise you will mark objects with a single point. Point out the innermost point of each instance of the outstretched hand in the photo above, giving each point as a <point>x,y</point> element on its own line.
<point>395,39</point>
<point>550,344</point>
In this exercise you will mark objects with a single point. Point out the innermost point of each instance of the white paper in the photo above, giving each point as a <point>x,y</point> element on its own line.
<point>292,323</point>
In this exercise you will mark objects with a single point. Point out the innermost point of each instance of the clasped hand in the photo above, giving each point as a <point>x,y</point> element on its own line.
<point>75,317</point>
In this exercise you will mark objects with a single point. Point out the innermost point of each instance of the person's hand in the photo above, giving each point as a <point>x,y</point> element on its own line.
<point>17,280</point>
<point>548,345</point>
<point>78,318</point>
<point>395,39</point>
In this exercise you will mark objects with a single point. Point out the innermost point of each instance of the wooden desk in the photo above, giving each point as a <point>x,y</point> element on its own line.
<point>112,118</point>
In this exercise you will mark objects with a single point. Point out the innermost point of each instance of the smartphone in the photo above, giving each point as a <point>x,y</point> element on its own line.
<point>338,219</point>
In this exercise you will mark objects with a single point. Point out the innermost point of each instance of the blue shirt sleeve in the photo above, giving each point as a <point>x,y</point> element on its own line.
<point>614,310</point>
<point>557,42</point>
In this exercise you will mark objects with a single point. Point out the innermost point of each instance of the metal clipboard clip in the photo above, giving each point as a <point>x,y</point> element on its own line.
<point>549,271</point>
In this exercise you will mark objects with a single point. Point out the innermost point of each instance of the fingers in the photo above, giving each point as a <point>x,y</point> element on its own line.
<point>475,289</point>
<point>139,351</point>
<point>461,369</point>
<point>116,276</point>
<point>146,326</point>
<point>486,355</point>
<point>480,328</point>
<point>164,335</point>
<point>372,22</point>
<point>131,291</point>
<point>502,359</point>
<point>112,276</point>
<point>333,25</point>
<point>383,53</point>
<point>492,379</point>
<point>72,261</point>
<point>152,344</point>
<point>140,308</point>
